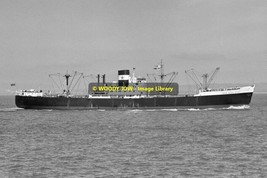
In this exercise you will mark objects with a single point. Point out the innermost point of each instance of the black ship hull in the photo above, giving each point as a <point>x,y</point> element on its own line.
<point>45,102</point>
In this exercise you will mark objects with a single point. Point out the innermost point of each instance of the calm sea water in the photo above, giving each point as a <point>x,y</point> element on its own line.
<point>227,142</point>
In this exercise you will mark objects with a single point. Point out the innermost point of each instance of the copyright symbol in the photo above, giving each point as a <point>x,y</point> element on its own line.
<point>94,88</point>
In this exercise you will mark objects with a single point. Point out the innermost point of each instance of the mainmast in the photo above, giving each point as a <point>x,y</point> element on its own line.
<point>161,68</point>
<point>162,75</point>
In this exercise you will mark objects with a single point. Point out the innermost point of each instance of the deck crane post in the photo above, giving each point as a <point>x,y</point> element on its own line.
<point>206,83</point>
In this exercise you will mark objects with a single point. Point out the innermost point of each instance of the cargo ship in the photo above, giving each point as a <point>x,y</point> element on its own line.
<point>130,92</point>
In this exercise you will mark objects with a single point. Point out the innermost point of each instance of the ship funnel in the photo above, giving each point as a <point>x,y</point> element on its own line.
<point>124,77</point>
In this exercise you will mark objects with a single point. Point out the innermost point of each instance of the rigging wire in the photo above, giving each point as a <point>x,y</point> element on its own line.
<point>77,81</point>
<point>53,81</point>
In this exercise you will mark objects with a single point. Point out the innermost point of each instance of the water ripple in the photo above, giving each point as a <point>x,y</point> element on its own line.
<point>134,143</point>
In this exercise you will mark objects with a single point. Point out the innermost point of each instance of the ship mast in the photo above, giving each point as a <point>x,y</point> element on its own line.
<point>67,76</point>
<point>162,75</point>
<point>70,84</point>
<point>161,68</point>
<point>161,72</point>
<point>206,83</point>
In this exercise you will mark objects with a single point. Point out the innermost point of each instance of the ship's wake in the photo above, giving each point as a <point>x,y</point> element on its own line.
<point>9,109</point>
<point>241,107</point>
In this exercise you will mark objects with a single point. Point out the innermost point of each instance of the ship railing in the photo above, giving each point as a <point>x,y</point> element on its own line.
<point>99,96</point>
<point>31,92</point>
<point>64,95</point>
<point>220,89</point>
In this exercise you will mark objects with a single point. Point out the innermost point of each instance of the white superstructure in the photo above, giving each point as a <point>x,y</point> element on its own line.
<point>226,91</point>
<point>31,92</point>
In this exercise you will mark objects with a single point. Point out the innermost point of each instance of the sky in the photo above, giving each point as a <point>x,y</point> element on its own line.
<point>42,37</point>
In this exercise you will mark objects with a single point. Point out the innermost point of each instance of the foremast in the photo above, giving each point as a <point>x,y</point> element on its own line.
<point>206,81</point>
